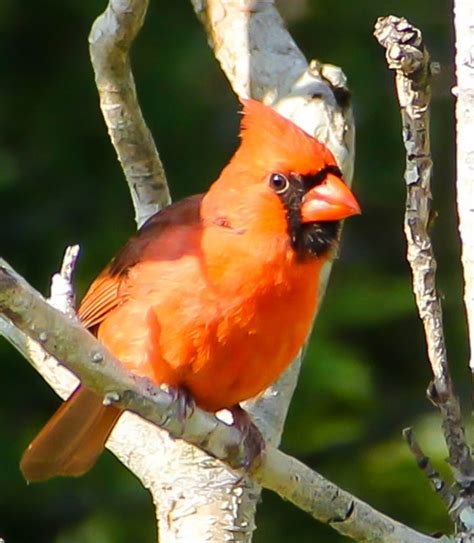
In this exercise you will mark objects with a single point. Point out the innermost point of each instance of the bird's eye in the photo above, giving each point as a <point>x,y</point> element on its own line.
<point>279,182</point>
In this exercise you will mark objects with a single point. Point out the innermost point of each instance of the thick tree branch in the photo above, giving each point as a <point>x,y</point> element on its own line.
<point>78,350</point>
<point>407,55</point>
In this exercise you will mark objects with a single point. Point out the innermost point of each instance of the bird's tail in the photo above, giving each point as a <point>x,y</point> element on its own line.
<point>73,438</point>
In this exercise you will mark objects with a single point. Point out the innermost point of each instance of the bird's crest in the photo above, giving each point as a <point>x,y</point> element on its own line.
<point>275,143</point>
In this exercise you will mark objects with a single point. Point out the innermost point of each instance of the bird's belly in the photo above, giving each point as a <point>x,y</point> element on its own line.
<point>241,361</point>
<point>222,352</point>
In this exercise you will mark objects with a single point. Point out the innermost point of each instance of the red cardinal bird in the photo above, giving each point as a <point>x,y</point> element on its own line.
<point>215,294</point>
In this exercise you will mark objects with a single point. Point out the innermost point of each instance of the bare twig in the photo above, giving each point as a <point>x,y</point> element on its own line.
<point>407,55</point>
<point>109,41</point>
<point>77,349</point>
<point>438,483</point>
<point>464,90</point>
<point>63,296</point>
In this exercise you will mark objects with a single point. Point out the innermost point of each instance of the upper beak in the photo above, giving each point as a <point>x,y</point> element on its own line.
<point>332,200</point>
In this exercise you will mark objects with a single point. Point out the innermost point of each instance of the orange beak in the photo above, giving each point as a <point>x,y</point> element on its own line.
<point>332,200</point>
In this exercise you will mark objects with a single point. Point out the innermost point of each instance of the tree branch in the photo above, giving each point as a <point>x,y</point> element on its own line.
<point>407,55</point>
<point>438,483</point>
<point>110,40</point>
<point>79,351</point>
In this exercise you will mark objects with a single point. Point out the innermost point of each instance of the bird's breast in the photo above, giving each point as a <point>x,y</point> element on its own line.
<point>265,299</point>
<point>222,321</point>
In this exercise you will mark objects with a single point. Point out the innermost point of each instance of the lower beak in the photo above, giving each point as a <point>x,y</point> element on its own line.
<point>332,200</point>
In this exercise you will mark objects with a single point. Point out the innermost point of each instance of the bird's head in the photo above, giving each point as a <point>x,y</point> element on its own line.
<point>279,161</point>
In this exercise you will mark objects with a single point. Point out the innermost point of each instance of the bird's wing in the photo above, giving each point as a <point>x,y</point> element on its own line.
<point>105,293</point>
<point>101,298</point>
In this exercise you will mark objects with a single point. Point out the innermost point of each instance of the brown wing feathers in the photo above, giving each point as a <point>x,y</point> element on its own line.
<point>99,300</point>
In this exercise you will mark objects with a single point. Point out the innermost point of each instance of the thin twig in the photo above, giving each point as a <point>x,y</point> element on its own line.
<point>109,44</point>
<point>438,483</point>
<point>63,296</point>
<point>78,350</point>
<point>464,91</point>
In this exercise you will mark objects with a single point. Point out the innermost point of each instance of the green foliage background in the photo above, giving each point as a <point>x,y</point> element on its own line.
<point>365,372</point>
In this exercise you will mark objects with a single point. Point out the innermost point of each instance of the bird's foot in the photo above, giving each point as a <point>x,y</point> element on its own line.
<point>183,399</point>
<point>253,441</point>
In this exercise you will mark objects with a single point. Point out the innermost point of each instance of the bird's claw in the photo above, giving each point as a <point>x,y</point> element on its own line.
<point>253,442</point>
<point>185,403</point>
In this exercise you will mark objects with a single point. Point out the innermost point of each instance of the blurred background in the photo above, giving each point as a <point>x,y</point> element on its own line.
<point>365,373</point>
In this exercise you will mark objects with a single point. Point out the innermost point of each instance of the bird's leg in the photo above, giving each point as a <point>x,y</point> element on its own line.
<point>252,438</point>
